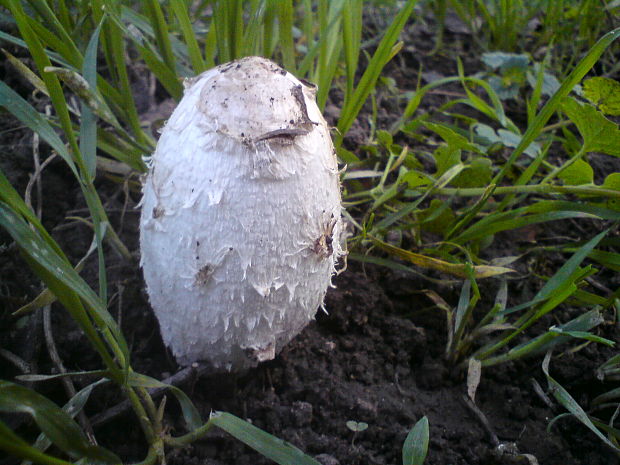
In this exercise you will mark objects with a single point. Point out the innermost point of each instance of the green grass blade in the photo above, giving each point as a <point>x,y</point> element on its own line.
<point>613,362</point>
<point>229,27</point>
<point>539,212</point>
<point>116,100</point>
<point>180,12</point>
<point>526,321</point>
<point>50,40</point>
<point>608,396</point>
<point>50,17</point>
<point>51,81</point>
<point>211,45</point>
<point>285,32</point>
<point>496,111</point>
<point>64,16</point>
<point>144,28</point>
<point>88,126</point>
<point>548,340</point>
<point>55,57</point>
<point>570,404</point>
<point>114,47</point>
<point>236,26</point>
<point>25,113</point>
<point>305,66</point>
<point>586,336</point>
<point>396,266</point>
<point>11,197</point>
<point>382,55</point>
<point>267,445</point>
<point>88,149</point>
<point>329,50</point>
<point>164,75</point>
<point>463,310</point>
<point>159,68</point>
<point>253,34</point>
<point>416,98</point>
<point>37,378</point>
<point>441,182</point>
<point>456,269</point>
<point>511,221</point>
<point>73,407</point>
<point>67,285</point>
<point>308,22</point>
<point>563,274</point>
<point>269,22</point>
<point>560,287</point>
<point>17,447</point>
<point>352,39</point>
<point>471,212</point>
<point>132,156</point>
<point>190,413</point>
<point>56,424</point>
<point>160,28</point>
<point>322,57</point>
<point>219,24</point>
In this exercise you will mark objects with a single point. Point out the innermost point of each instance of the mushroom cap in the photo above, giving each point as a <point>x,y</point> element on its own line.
<point>241,215</point>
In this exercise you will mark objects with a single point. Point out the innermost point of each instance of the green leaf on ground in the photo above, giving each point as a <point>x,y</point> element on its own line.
<point>415,179</point>
<point>445,158</point>
<point>505,61</point>
<point>452,138</point>
<point>504,137</point>
<point>577,174</point>
<point>477,174</point>
<point>512,70</point>
<point>437,218</point>
<point>416,443</point>
<point>550,83</point>
<point>357,426</point>
<point>604,93</point>
<point>599,134</point>
<point>385,138</point>
<point>612,181</point>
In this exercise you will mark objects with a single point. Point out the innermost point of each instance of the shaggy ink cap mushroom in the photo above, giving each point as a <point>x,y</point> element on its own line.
<point>241,215</point>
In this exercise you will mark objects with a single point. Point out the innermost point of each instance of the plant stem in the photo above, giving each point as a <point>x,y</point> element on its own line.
<point>32,454</point>
<point>188,438</point>
<point>143,418</point>
<point>150,407</point>
<point>531,189</point>
<point>519,352</point>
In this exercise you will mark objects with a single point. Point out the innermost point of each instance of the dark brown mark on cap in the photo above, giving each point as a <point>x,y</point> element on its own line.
<point>298,93</point>
<point>286,133</point>
<point>309,84</point>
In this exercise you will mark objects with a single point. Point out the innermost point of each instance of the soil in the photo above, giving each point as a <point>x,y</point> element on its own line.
<point>376,356</point>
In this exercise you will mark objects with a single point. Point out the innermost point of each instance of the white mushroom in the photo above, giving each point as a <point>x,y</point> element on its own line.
<point>241,215</point>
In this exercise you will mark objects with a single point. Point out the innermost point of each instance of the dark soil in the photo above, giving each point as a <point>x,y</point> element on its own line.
<point>376,357</point>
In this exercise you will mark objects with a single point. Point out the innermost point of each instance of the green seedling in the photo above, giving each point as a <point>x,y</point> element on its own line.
<point>356,427</point>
